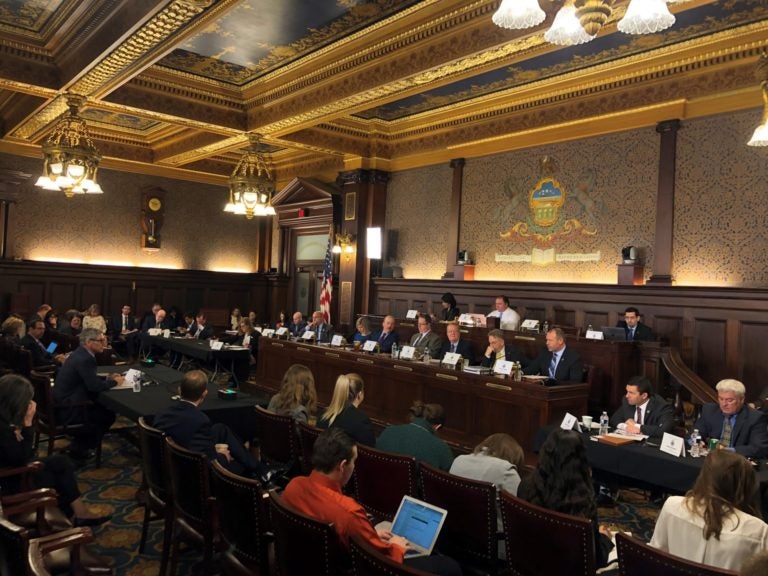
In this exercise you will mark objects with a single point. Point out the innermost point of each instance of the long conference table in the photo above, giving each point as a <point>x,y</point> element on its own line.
<point>162,391</point>
<point>475,406</point>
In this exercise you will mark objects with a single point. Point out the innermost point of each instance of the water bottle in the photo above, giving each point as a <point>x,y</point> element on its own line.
<point>603,424</point>
<point>395,351</point>
<point>695,446</point>
<point>546,326</point>
<point>427,357</point>
<point>137,385</point>
<point>589,327</point>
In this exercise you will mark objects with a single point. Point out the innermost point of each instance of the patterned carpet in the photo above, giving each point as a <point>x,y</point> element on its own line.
<point>112,488</point>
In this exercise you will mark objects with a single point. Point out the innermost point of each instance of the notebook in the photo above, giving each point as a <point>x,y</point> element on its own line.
<point>419,523</point>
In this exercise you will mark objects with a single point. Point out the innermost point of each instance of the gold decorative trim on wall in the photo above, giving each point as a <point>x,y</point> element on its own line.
<point>345,308</point>
<point>350,205</point>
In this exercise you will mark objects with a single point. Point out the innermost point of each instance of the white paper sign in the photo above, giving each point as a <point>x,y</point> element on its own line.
<point>154,331</point>
<point>407,353</point>
<point>166,333</point>
<point>530,324</point>
<point>308,335</point>
<point>132,377</point>
<point>593,335</point>
<point>216,344</point>
<point>282,331</point>
<point>370,345</point>
<point>268,332</point>
<point>411,314</point>
<point>337,340</point>
<point>672,444</point>
<point>569,420</point>
<point>451,359</point>
<point>503,367</point>
<point>259,329</point>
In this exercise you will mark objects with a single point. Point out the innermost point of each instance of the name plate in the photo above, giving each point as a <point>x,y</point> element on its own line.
<point>594,335</point>
<point>370,345</point>
<point>166,333</point>
<point>407,353</point>
<point>337,340</point>
<point>216,344</point>
<point>282,331</point>
<point>259,329</point>
<point>154,331</point>
<point>268,332</point>
<point>569,422</point>
<point>451,359</point>
<point>672,444</point>
<point>412,314</point>
<point>503,367</point>
<point>308,335</point>
<point>530,324</point>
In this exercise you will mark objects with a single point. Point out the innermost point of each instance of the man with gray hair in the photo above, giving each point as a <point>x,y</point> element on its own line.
<point>736,426</point>
<point>75,391</point>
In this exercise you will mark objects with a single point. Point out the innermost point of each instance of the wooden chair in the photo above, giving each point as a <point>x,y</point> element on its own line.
<point>319,554</point>
<point>45,420</point>
<point>190,493</point>
<point>367,561</point>
<point>278,440</point>
<point>307,436</point>
<point>38,520</point>
<point>72,543</point>
<point>382,479</point>
<point>242,513</point>
<point>470,529</point>
<point>638,559</point>
<point>540,541</point>
<point>157,496</point>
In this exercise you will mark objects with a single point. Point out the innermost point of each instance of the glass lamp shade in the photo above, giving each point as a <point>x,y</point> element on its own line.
<point>566,30</point>
<point>646,17</point>
<point>518,14</point>
<point>760,136</point>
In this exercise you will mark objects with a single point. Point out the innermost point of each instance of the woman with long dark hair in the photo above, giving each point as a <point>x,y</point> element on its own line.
<point>563,482</point>
<point>297,396</point>
<point>718,521</point>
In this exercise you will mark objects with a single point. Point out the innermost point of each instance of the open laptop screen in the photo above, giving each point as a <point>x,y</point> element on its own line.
<point>418,522</point>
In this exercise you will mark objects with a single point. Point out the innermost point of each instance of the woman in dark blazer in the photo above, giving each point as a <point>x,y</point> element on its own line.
<point>344,411</point>
<point>450,312</point>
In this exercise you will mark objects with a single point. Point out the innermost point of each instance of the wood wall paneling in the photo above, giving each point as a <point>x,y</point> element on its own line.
<point>91,294</point>
<point>754,361</point>
<point>118,295</point>
<point>36,292</point>
<point>145,297</point>
<point>565,317</point>
<point>709,356</point>
<point>62,296</point>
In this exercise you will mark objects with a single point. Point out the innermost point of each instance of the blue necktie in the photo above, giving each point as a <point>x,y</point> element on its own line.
<point>631,333</point>
<point>553,365</point>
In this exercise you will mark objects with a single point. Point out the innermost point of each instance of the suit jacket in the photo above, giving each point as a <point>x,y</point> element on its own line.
<point>430,341</point>
<point>749,435</point>
<point>355,423</point>
<point>642,332</point>
<point>463,347</point>
<point>77,381</point>
<point>658,417</point>
<point>116,324</point>
<point>449,314</point>
<point>40,356</point>
<point>569,368</point>
<point>325,329</point>
<point>511,353</point>
<point>386,343</point>
<point>149,322</point>
<point>253,345</point>
<point>189,426</point>
<point>297,329</point>
<point>201,334</point>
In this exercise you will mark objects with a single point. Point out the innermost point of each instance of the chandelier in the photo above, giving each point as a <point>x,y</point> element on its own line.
<point>579,21</point>
<point>251,184</point>
<point>760,136</point>
<point>70,159</point>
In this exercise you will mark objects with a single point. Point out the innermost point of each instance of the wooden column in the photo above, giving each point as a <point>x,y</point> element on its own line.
<point>454,220</point>
<point>264,245</point>
<point>665,204</point>
<point>364,204</point>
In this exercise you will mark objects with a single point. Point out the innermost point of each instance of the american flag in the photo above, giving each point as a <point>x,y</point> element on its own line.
<point>326,288</point>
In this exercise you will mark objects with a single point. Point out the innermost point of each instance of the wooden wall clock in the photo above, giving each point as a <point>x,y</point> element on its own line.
<point>152,212</point>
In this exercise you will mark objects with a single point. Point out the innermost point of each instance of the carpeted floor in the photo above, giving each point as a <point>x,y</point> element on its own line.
<point>112,488</point>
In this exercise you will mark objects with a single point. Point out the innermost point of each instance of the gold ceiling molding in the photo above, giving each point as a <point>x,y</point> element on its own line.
<point>40,121</point>
<point>26,51</point>
<point>211,149</point>
<point>188,91</point>
<point>26,88</point>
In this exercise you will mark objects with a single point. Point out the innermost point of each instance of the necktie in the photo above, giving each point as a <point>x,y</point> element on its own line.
<point>725,441</point>
<point>125,323</point>
<point>631,333</point>
<point>418,340</point>
<point>639,417</point>
<point>553,365</point>
<point>382,337</point>
<point>453,348</point>
<point>320,333</point>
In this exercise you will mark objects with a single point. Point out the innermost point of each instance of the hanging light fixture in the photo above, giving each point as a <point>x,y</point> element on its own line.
<point>641,17</point>
<point>251,184</point>
<point>760,136</point>
<point>70,159</point>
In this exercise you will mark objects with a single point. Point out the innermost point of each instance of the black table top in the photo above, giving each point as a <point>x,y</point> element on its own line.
<point>199,349</point>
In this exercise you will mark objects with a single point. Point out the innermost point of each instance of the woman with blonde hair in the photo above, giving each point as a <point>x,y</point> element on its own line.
<point>344,411</point>
<point>94,319</point>
<point>717,522</point>
<point>297,396</point>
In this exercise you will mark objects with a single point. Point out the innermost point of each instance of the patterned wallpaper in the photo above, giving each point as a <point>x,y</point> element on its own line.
<point>106,229</point>
<point>418,208</point>
<point>721,204</point>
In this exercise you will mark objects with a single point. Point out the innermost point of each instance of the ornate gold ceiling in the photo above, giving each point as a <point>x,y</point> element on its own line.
<point>173,86</point>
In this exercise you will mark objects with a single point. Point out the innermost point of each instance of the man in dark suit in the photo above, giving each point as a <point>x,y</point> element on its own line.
<point>123,330</point>
<point>76,389</point>
<point>201,330</point>
<point>557,361</point>
<point>425,340</point>
<point>738,428</point>
<point>191,428</point>
<point>642,411</point>
<point>456,344</point>
<point>323,331</point>
<point>387,335</point>
<point>633,328</point>
<point>298,326</point>
<point>31,342</point>
<point>498,350</point>
<point>156,321</point>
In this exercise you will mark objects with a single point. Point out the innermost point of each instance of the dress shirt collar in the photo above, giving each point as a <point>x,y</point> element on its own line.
<point>325,481</point>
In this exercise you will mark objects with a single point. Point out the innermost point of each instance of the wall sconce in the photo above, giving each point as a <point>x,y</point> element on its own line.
<point>760,137</point>
<point>344,245</point>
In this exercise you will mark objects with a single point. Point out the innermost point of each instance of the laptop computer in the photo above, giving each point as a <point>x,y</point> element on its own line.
<point>419,523</point>
<point>613,333</point>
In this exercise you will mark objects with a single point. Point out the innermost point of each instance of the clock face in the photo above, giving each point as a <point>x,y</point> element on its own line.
<point>154,204</point>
